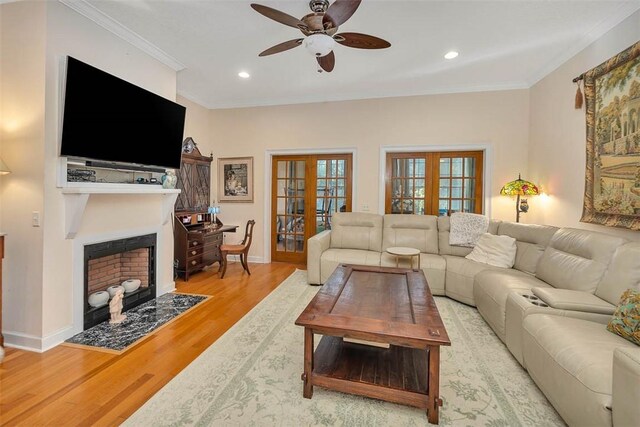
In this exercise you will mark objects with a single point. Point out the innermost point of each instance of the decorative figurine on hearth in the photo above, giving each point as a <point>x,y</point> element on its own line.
<point>115,307</point>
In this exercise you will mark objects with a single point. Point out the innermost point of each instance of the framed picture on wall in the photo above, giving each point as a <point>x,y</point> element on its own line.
<point>235,179</point>
<point>612,184</point>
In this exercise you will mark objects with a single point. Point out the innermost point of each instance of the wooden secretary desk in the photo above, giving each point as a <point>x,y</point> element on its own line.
<point>196,237</point>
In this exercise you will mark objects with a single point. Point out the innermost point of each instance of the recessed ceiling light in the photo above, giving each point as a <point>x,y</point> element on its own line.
<point>243,74</point>
<point>450,55</point>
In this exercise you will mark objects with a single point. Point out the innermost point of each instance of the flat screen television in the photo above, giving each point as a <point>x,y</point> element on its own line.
<point>111,120</point>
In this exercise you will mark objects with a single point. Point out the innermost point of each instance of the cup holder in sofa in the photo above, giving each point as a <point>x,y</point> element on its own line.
<point>539,303</point>
<point>530,297</point>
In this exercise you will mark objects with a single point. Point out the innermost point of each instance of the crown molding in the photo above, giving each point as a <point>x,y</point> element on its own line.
<point>624,11</point>
<point>87,10</point>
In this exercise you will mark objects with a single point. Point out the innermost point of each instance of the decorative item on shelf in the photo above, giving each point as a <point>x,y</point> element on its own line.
<point>113,289</point>
<point>131,285</point>
<point>169,179</point>
<point>214,210</point>
<point>115,307</point>
<point>188,145</point>
<point>520,187</point>
<point>98,299</point>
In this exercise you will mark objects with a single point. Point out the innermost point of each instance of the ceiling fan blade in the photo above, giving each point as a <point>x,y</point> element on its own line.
<point>278,16</point>
<point>361,41</point>
<point>290,44</point>
<point>339,12</point>
<point>327,62</point>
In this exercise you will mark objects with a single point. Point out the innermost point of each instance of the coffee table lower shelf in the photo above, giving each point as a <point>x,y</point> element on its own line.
<point>395,374</point>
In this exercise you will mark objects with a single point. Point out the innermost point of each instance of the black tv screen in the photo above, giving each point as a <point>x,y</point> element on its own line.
<point>109,119</point>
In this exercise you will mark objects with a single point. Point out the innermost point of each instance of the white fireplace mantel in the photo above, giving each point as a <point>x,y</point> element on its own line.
<point>77,196</point>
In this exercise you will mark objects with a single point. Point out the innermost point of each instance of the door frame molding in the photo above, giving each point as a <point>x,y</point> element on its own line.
<point>268,158</point>
<point>487,169</point>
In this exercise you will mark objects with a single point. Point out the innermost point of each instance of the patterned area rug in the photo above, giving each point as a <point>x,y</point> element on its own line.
<point>251,376</point>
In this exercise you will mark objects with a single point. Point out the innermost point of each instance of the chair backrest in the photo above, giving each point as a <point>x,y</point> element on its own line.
<point>248,233</point>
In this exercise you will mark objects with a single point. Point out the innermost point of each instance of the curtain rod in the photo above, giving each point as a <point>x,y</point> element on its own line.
<point>577,79</point>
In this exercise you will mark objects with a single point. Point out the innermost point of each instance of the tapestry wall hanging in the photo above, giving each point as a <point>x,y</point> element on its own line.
<point>612,186</point>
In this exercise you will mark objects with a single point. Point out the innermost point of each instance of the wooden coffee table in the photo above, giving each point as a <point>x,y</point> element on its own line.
<point>383,305</point>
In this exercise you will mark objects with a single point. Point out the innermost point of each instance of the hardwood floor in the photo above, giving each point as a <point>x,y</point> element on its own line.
<point>72,386</point>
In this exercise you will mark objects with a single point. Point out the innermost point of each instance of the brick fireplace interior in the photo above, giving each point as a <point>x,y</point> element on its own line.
<point>111,263</point>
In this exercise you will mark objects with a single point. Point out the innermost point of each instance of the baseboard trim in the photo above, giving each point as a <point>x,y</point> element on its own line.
<point>22,341</point>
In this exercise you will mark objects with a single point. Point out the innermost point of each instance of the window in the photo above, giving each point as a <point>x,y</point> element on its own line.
<point>434,183</point>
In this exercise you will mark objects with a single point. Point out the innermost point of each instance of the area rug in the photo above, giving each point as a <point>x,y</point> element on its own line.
<point>141,321</point>
<point>251,376</point>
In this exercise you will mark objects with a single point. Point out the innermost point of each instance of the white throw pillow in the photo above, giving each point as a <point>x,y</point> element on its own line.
<point>466,228</point>
<point>499,251</point>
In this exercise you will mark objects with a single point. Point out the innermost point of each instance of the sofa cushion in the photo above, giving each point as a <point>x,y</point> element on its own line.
<point>413,231</point>
<point>623,273</point>
<point>626,319</point>
<point>355,230</point>
<point>577,259</point>
<point>571,361</point>
<point>491,290</point>
<point>459,277</point>
<point>499,251</point>
<point>331,258</point>
<point>445,248</point>
<point>531,240</point>
<point>466,228</point>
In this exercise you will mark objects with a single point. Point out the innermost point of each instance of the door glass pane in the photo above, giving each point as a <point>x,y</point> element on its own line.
<point>470,166</point>
<point>418,190</point>
<point>282,169</point>
<point>444,188</point>
<point>469,205</point>
<point>407,190</point>
<point>443,207</point>
<point>419,207</point>
<point>456,205</point>
<point>341,188</point>
<point>322,169</point>
<point>395,167</point>
<point>469,188</point>
<point>300,168</point>
<point>456,166</point>
<point>407,206</point>
<point>456,188</point>
<point>445,167</point>
<point>333,167</point>
<point>282,187</point>
<point>341,167</point>
<point>420,167</point>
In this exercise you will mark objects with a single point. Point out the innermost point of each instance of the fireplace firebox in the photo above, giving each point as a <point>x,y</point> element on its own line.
<point>111,263</point>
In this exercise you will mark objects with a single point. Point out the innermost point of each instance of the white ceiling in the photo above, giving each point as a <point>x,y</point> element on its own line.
<point>502,45</point>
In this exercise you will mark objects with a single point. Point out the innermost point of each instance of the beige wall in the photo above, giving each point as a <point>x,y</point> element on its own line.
<point>22,135</point>
<point>499,120</point>
<point>197,125</point>
<point>38,292</point>
<point>557,153</point>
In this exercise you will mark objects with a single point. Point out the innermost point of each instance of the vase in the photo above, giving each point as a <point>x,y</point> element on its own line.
<point>113,289</point>
<point>131,285</point>
<point>98,299</point>
<point>169,179</point>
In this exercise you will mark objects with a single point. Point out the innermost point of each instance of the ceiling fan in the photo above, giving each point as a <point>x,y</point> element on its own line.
<point>320,28</point>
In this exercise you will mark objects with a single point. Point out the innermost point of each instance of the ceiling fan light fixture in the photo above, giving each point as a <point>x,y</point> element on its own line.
<point>319,44</point>
<point>244,75</point>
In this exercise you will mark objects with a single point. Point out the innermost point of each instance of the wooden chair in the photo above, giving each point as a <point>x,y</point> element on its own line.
<point>242,249</point>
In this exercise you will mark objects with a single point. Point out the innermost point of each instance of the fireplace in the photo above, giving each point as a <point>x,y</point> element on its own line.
<point>111,263</point>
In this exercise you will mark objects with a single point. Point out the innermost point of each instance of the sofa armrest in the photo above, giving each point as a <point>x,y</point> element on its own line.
<point>566,299</point>
<point>626,386</point>
<point>316,245</point>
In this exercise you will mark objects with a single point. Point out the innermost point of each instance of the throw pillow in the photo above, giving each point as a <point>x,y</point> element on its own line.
<point>466,228</point>
<point>626,318</point>
<point>499,251</point>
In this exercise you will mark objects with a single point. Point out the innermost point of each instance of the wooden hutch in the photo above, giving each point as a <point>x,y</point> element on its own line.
<point>197,238</point>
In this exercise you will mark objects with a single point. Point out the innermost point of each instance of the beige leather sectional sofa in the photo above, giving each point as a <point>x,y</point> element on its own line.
<point>550,309</point>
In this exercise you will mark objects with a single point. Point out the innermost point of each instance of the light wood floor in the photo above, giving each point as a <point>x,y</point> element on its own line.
<point>71,386</point>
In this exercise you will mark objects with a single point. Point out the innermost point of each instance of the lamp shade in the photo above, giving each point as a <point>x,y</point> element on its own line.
<point>319,44</point>
<point>519,187</point>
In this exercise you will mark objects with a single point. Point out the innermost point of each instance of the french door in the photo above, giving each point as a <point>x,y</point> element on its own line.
<point>434,183</point>
<point>306,190</point>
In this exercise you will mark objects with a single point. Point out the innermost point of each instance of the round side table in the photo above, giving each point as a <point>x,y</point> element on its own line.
<point>399,251</point>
